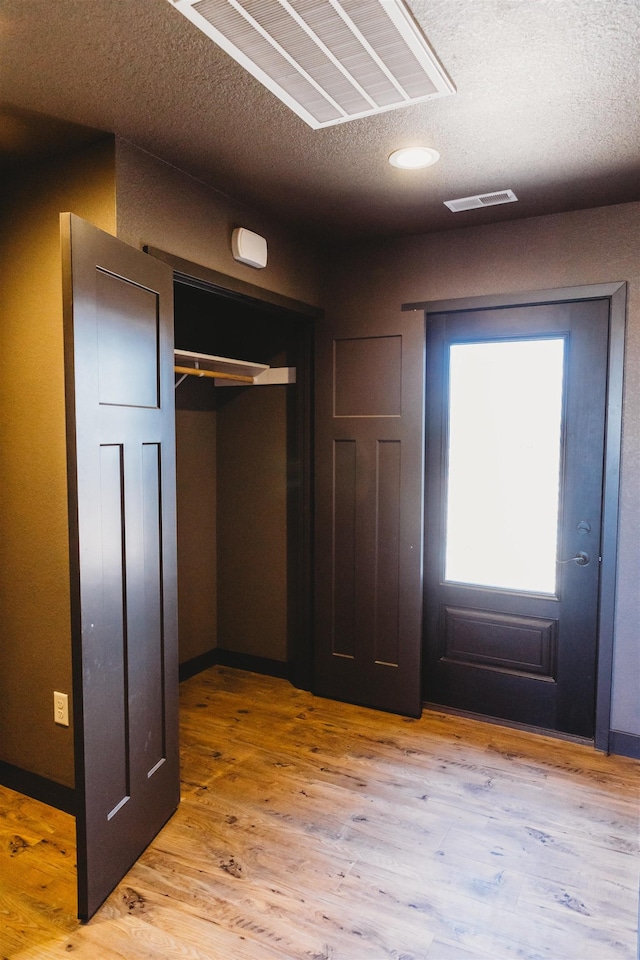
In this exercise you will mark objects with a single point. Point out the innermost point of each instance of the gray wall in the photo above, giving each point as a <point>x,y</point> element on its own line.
<point>196,475</point>
<point>232,520</point>
<point>35,614</point>
<point>231,464</point>
<point>153,203</point>
<point>252,521</point>
<point>584,247</point>
<point>161,206</point>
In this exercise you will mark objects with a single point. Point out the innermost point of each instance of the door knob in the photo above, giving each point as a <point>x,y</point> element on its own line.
<point>581,558</point>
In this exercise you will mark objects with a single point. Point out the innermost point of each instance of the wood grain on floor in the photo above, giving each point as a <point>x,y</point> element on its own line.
<point>312,830</point>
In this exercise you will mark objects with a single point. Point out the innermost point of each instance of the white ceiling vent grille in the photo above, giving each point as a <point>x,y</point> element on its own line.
<point>328,60</point>
<point>481,200</point>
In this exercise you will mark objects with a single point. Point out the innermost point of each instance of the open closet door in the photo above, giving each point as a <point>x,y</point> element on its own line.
<point>369,501</point>
<point>121,456</point>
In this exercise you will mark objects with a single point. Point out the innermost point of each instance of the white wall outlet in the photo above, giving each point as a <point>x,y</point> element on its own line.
<point>61,708</point>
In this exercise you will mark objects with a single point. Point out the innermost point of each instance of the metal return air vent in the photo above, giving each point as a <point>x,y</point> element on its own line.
<point>481,200</point>
<point>328,60</point>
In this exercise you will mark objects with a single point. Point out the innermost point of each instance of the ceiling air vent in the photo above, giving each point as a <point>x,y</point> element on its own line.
<point>329,60</point>
<point>481,200</point>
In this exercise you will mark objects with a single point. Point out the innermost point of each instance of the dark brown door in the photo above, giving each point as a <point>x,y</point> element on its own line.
<point>121,454</point>
<point>368,495</point>
<point>516,417</point>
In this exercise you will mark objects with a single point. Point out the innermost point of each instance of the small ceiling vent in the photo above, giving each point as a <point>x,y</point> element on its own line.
<point>329,60</point>
<point>481,200</point>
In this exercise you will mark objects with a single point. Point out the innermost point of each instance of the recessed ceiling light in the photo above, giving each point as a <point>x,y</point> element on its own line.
<point>413,158</point>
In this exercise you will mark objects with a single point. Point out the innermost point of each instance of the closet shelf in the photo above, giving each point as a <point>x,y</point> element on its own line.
<point>227,372</point>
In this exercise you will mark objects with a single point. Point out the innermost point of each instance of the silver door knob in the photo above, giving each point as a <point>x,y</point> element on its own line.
<point>581,558</point>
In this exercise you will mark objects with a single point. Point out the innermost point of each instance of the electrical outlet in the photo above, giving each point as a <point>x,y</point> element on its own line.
<point>61,708</point>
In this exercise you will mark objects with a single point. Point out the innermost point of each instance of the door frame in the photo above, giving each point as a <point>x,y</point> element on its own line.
<point>300,654</point>
<point>616,294</point>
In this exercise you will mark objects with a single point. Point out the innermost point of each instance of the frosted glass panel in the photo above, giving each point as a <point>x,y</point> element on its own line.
<point>505,415</point>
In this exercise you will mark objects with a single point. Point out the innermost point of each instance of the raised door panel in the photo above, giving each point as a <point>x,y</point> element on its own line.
<point>369,463</point>
<point>121,453</point>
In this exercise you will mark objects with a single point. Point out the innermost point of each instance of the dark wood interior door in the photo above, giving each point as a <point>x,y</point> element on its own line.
<point>121,455</point>
<point>368,509</point>
<point>515,450</point>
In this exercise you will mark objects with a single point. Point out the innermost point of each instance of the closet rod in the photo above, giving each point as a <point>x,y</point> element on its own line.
<point>199,372</point>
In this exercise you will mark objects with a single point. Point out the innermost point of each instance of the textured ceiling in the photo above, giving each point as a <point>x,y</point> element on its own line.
<point>547,105</point>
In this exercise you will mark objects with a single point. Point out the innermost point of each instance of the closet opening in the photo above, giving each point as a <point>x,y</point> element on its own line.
<point>243,487</point>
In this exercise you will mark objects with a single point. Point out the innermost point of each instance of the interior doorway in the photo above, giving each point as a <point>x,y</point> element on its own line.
<point>242,488</point>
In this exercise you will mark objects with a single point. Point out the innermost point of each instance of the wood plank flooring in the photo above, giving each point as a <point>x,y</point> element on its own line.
<point>310,830</point>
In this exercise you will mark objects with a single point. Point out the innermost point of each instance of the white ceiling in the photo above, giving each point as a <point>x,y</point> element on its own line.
<point>546,105</point>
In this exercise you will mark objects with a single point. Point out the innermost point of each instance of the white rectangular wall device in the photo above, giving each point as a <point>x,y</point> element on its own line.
<point>249,247</point>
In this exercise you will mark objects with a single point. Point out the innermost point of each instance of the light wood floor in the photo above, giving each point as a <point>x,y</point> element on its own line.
<point>311,830</point>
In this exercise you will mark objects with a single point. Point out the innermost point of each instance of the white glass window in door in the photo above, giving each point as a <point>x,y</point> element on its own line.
<point>503,481</point>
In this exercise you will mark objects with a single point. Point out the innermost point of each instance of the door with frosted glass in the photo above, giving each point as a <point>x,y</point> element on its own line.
<point>515,438</point>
